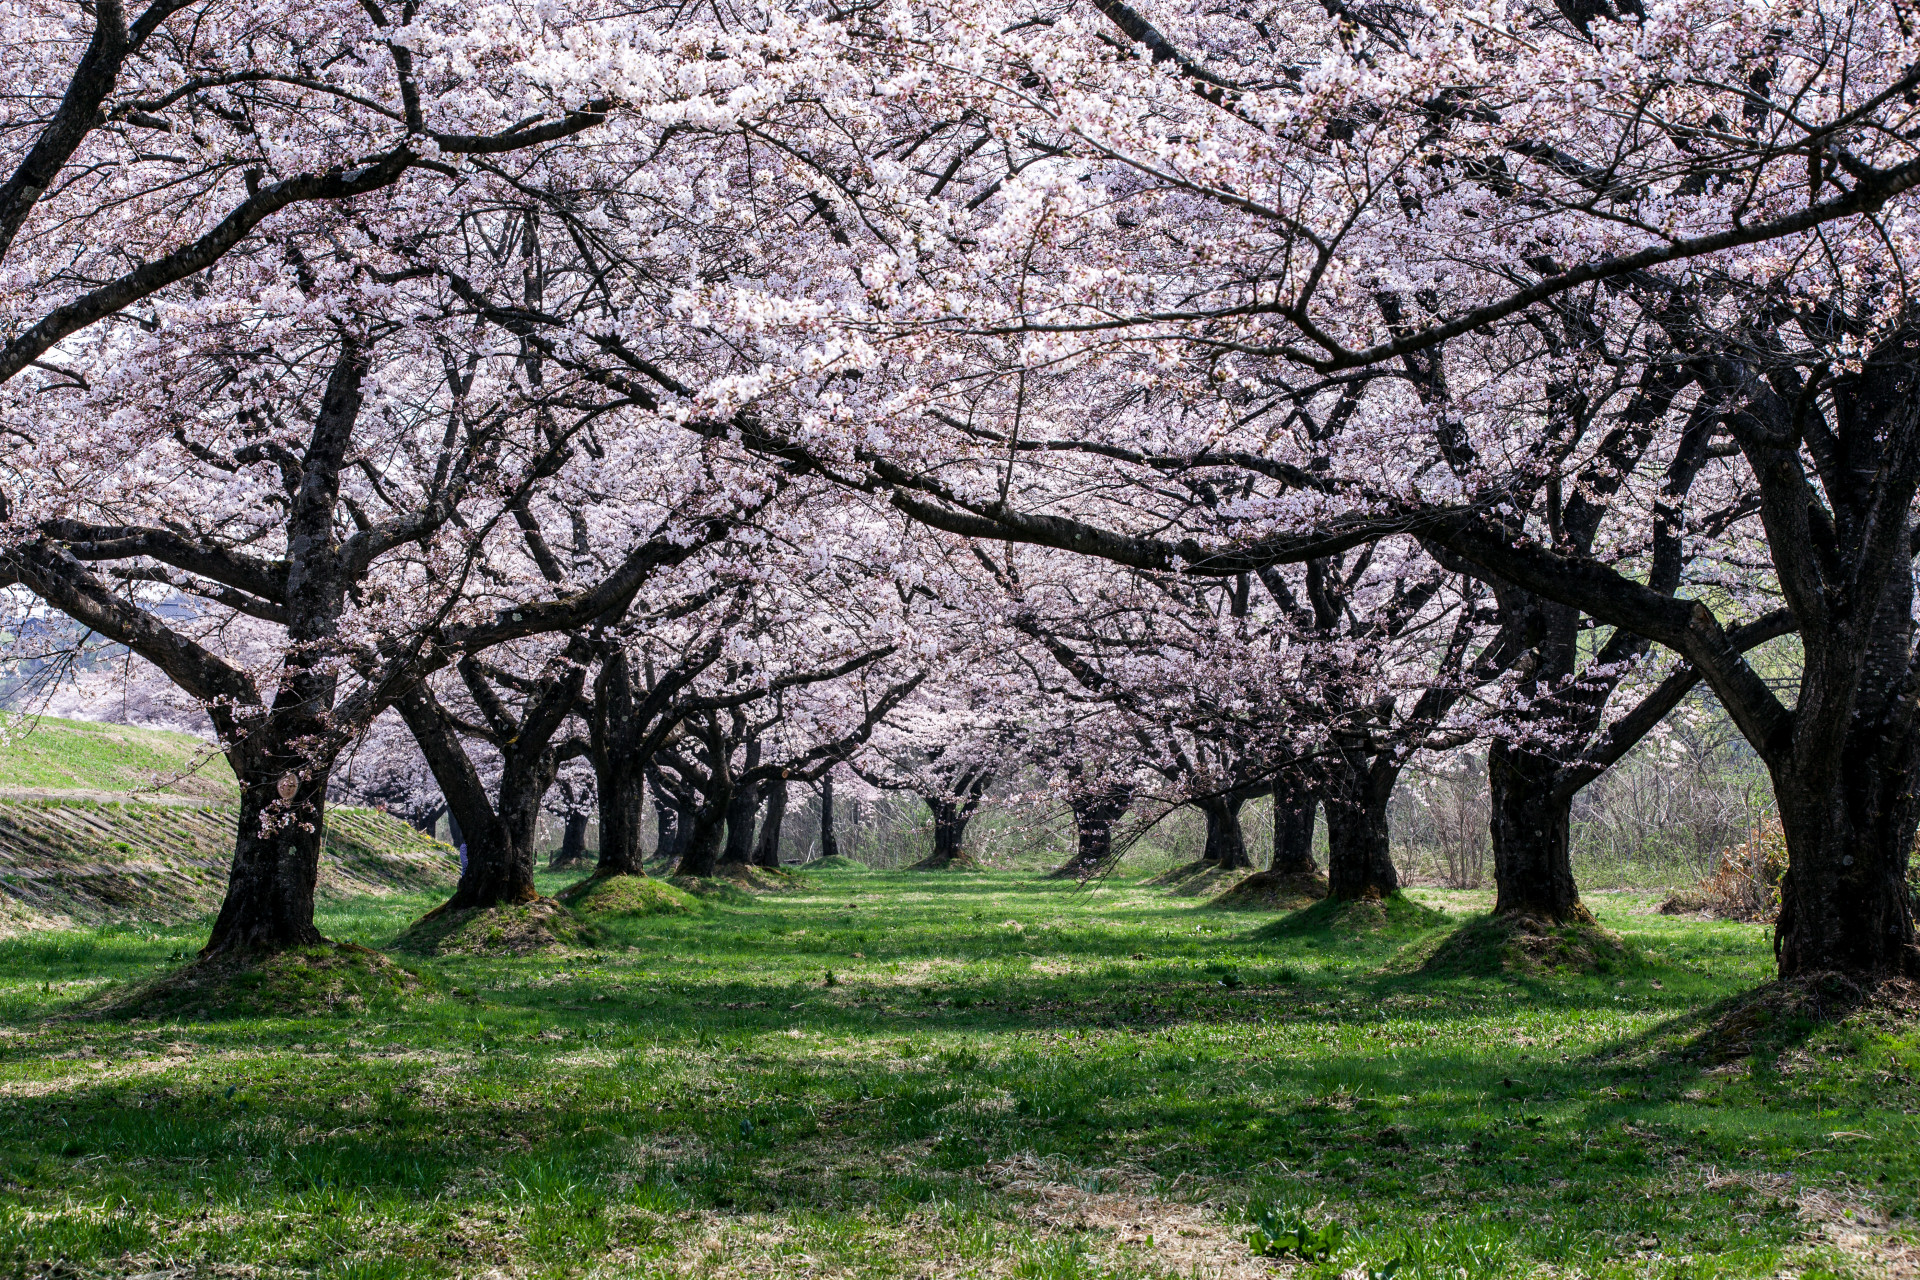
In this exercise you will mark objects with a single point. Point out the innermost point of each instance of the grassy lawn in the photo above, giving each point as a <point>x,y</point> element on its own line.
<point>895,1075</point>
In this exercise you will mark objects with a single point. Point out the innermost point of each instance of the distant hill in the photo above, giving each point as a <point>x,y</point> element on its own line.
<point>41,753</point>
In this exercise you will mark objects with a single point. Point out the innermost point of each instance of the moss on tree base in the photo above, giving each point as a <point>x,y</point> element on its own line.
<point>1273,891</point>
<point>1525,945</point>
<point>516,929</point>
<point>626,896</point>
<point>339,979</point>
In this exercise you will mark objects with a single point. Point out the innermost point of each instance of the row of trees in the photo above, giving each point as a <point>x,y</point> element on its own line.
<point>1210,401</point>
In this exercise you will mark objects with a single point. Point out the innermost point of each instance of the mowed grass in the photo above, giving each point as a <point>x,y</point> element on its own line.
<point>894,1075</point>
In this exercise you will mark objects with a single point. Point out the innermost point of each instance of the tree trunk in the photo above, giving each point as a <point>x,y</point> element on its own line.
<point>741,811</point>
<point>1847,799</point>
<point>705,836</point>
<point>496,872</point>
<point>276,863</point>
<point>1093,819</point>
<point>766,850</point>
<point>1359,861</point>
<point>675,824</point>
<point>1532,819</point>
<point>949,835</point>
<point>426,820</point>
<point>573,844</point>
<point>1226,846</point>
<point>1294,810</point>
<point>829,844</point>
<point>622,793</point>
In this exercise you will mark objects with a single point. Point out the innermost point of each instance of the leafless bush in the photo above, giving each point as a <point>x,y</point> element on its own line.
<point>1439,822</point>
<point>1663,815</point>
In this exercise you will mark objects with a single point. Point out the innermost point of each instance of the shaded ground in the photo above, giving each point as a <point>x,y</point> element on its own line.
<point>1010,1076</point>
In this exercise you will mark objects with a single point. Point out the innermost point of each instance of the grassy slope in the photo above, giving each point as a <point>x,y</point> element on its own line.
<point>1008,1077</point>
<point>77,755</point>
<point>68,854</point>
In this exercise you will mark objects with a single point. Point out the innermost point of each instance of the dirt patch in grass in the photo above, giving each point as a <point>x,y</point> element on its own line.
<point>1522,945</point>
<point>1269,891</point>
<point>626,896</point>
<point>1170,1237</point>
<point>333,978</point>
<point>520,929</point>
<point>1197,880</point>
<point>1785,1011</point>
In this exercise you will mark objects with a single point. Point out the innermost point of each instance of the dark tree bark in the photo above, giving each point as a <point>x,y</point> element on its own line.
<point>1294,809</point>
<point>426,819</point>
<point>1226,846</point>
<point>1356,792</point>
<point>666,829</point>
<point>619,773</point>
<point>742,810</point>
<point>501,834</point>
<point>766,850</point>
<point>276,860</point>
<point>1531,826</point>
<point>1094,814</point>
<point>573,844</point>
<point>707,836</point>
<point>949,835</point>
<point>492,871</point>
<point>829,842</point>
<point>952,810</point>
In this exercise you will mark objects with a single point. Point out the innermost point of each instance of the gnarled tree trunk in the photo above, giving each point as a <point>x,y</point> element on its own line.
<point>573,844</point>
<point>1226,846</point>
<point>1847,794</point>
<point>706,834</point>
<point>742,809</point>
<point>766,850</point>
<point>1093,819</point>
<point>1295,808</point>
<point>276,862</point>
<point>829,843</point>
<point>949,835</point>
<point>1531,826</point>
<point>1359,859</point>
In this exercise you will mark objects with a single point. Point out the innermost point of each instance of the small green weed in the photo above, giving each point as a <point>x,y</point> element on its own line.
<point>1287,1232</point>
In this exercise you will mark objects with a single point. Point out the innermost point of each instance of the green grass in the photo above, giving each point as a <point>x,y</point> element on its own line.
<point>44,753</point>
<point>1008,1077</point>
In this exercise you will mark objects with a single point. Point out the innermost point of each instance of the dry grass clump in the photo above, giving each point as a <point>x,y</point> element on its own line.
<point>1745,884</point>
